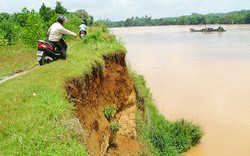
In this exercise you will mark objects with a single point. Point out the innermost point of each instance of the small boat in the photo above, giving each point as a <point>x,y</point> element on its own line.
<point>219,29</point>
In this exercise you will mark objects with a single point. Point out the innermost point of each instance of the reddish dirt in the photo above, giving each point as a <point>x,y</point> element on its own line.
<point>108,86</point>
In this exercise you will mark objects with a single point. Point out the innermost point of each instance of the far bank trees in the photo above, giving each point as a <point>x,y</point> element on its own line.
<point>236,17</point>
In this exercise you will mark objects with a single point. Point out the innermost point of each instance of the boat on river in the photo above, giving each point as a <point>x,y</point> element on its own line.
<point>219,29</point>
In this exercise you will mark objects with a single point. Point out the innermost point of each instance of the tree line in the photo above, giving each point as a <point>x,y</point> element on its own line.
<point>29,26</point>
<point>236,17</point>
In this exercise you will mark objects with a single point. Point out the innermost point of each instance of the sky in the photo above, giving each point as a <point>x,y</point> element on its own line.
<point>116,10</point>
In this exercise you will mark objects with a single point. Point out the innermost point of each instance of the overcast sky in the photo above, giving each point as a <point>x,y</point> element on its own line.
<point>123,9</point>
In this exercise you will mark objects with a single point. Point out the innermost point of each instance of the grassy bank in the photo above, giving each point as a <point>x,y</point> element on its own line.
<point>37,119</point>
<point>35,116</point>
<point>15,58</point>
<point>165,137</point>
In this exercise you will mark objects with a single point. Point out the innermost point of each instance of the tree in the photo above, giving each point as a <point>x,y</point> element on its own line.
<point>46,13</point>
<point>128,22</point>
<point>21,18</point>
<point>3,16</point>
<point>82,14</point>
<point>9,31</point>
<point>85,16</point>
<point>59,8</point>
<point>33,30</point>
<point>247,18</point>
<point>91,20</point>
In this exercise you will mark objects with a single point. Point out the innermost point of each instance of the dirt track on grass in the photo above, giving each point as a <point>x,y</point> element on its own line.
<point>18,73</point>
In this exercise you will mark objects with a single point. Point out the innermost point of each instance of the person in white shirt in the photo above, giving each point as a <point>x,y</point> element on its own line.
<point>82,27</point>
<point>55,33</point>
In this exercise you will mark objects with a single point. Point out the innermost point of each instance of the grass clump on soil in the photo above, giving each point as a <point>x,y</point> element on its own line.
<point>115,127</point>
<point>165,137</point>
<point>35,116</point>
<point>109,112</point>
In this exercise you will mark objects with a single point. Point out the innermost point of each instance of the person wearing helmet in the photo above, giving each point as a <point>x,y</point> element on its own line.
<point>55,33</point>
<point>82,28</point>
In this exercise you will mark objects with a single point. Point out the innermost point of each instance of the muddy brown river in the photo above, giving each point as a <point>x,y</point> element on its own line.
<point>202,77</point>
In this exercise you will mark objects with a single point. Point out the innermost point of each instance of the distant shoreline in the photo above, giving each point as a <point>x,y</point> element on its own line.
<point>235,17</point>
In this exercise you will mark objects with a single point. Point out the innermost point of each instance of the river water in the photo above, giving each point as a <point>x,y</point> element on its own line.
<point>202,77</point>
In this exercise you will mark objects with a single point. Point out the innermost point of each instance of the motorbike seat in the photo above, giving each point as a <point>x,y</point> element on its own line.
<point>47,42</point>
<point>52,44</point>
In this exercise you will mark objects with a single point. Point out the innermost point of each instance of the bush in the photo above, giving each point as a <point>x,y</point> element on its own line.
<point>173,137</point>
<point>99,33</point>
<point>164,137</point>
<point>33,30</point>
<point>9,31</point>
<point>73,23</point>
<point>162,142</point>
<point>3,42</point>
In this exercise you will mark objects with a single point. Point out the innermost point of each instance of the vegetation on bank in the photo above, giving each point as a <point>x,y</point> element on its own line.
<point>37,119</point>
<point>165,137</point>
<point>236,17</point>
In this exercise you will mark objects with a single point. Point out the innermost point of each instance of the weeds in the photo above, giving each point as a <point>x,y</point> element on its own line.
<point>109,112</point>
<point>115,127</point>
<point>165,137</point>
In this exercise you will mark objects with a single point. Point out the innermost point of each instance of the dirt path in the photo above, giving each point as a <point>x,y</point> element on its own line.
<point>21,72</point>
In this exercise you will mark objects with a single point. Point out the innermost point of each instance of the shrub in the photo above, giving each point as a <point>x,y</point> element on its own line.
<point>46,12</point>
<point>9,31</point>
<point>173,137</point>
<point>162,141</point>
<point>102,26</point>
<point>3,42</point>
<point>99,33</point>
<point>165,137</point>
<point>33,30</point>
<point>93,37</point>
<point>73,23</point>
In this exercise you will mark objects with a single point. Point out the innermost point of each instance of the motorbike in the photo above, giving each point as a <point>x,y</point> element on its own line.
<point>82,33</point>
<point>47,52</point>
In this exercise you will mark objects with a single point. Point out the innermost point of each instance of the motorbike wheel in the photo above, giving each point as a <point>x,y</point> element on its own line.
<point>42,61</point>
<point>82,34</point>
<point>45,59</point>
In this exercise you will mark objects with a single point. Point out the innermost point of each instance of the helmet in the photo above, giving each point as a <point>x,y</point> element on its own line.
<point>84,21</point>
<point>62,19</point>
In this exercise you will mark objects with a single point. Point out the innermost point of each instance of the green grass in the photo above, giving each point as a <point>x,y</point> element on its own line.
<point>115,127</point>
<point>35,116</point>
<point>109,112</point>
<point>166,138</point>
<point>15,58</point>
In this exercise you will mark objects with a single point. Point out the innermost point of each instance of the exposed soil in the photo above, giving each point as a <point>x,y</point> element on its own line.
<point>108,86</point>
